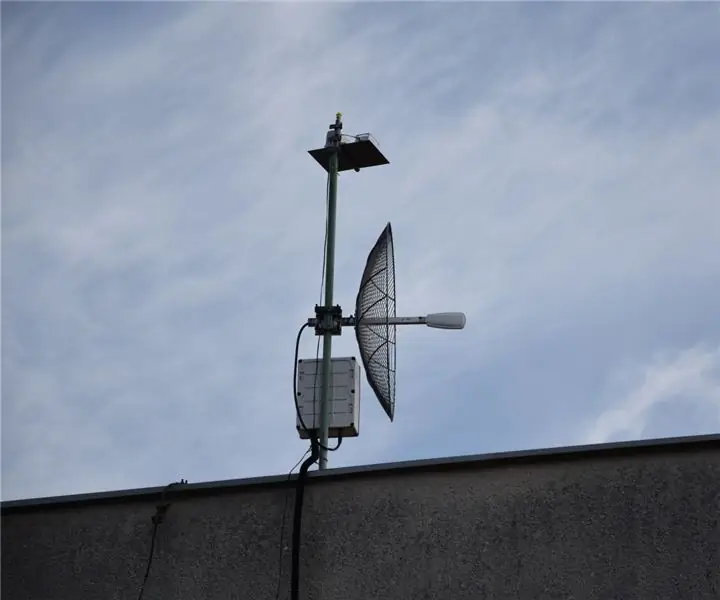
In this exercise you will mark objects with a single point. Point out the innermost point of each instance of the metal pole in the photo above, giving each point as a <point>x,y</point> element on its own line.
<point>325,392</point>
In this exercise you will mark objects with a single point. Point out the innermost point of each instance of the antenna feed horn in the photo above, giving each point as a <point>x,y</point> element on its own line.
<point>327,320</point>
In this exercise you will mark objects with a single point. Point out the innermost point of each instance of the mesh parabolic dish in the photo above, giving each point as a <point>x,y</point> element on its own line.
<point>376,301</point>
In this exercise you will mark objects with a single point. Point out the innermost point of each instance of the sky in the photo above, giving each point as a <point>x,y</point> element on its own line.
<point>553,174</point>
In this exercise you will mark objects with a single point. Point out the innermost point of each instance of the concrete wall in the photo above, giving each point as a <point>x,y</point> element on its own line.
<point>634,522</point>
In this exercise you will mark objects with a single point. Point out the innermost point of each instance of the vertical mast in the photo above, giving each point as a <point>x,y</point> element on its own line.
<point>334,139</point>
<point>340,153</point>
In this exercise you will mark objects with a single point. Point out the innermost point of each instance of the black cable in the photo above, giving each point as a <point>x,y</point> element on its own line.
<point>297,519</point>
<point>157,518</point>
<point>150,559</point>
<point>282,527</point>
<point>315,383</point>
<point>322,288</point>
<point>324,256</point>
<point>308,431</point>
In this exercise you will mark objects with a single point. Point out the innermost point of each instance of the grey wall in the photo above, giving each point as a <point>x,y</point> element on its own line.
<point>640,524</point>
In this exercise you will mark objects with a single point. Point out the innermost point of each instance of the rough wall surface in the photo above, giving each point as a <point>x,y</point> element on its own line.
<point>640,526</point>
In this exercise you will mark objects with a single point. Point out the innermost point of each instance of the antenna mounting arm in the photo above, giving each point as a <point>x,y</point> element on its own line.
<point>327,320</point>
<point>447,320</point>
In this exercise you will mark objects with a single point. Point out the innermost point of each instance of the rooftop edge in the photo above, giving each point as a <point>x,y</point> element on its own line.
<point>628,448</point>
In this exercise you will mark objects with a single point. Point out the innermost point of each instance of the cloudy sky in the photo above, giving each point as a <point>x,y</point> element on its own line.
<point>554,174</point>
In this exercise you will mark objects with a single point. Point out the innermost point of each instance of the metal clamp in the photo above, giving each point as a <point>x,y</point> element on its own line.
<point>328,320</point>
<point>334,135</point>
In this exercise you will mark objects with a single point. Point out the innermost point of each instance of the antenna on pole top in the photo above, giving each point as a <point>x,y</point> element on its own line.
<point>335,410</point>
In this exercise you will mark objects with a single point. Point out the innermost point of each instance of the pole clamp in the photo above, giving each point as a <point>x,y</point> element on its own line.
<point>328,319</point>
<point>335,133</point>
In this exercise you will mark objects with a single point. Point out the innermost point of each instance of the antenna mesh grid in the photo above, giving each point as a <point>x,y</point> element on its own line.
<point>376,300</point>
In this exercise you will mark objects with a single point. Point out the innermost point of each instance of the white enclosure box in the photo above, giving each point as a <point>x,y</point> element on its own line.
<point>366,137</point>
<point>345,396</point>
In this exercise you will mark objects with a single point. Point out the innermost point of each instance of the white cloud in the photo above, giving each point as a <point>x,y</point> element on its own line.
<point>689,377</point>
<point>162,224</point>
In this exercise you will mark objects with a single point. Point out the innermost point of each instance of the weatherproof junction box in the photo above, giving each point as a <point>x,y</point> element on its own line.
<point>345,396</point>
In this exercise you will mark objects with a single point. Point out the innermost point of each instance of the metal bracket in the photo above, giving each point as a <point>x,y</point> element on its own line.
<point>328,320</point>
<point>162,508</point>
<point>336,127</point>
